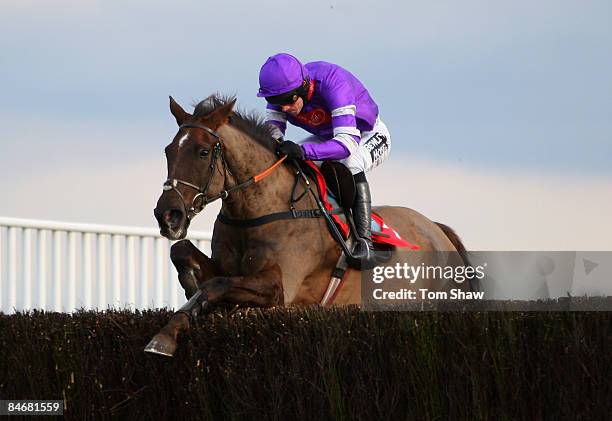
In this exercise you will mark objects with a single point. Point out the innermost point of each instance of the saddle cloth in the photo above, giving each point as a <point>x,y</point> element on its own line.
<point>381,232</point>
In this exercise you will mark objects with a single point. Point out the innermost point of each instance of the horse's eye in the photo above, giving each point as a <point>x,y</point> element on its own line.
<point>204,153</point>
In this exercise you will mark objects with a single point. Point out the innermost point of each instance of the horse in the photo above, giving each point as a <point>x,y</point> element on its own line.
<point>281,262</point>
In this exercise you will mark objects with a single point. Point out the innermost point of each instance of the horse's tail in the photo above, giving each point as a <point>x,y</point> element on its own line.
<point>454,238</point>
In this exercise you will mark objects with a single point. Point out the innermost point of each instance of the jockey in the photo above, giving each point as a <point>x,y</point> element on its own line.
<point>333,105</point>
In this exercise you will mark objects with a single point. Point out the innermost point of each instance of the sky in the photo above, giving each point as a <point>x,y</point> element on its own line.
<point>500,112</point>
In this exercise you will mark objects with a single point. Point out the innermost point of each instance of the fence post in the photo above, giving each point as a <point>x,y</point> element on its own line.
<point>27,268</point>
<point>42,270</point>
<point>72,271</point>
<point>57,271</point>
<point>12,269</point>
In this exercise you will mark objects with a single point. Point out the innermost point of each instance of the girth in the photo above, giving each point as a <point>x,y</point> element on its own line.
<point>266,219</point>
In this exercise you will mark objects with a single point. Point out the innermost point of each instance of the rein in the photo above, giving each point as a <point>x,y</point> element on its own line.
<point>200,200</point>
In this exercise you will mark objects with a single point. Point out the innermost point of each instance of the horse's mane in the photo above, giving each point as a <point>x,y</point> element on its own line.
<point>250,123</point>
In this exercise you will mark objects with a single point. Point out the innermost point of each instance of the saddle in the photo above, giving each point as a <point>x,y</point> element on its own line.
<point>337,190</point>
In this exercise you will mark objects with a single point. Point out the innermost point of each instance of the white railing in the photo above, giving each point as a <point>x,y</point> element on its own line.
<point>58,266</point>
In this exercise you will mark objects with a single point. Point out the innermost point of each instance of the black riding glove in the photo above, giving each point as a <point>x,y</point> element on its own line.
<point>291,149</point>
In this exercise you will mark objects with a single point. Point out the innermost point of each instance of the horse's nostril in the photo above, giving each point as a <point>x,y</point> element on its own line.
<point>172,217</point>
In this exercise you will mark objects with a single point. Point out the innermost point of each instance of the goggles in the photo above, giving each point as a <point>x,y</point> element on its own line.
<point>283,99</point>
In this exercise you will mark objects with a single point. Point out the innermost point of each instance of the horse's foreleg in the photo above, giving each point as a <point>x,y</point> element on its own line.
<point>193,267</point>
<point>263,289</point>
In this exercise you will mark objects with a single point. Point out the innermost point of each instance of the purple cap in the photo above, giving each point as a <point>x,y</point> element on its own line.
<point>280,74</point>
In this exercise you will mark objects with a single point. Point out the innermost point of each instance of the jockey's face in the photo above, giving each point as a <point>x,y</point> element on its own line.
<point>295,108</point>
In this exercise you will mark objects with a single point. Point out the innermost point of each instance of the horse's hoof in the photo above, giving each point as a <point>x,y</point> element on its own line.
<point>161,344</point>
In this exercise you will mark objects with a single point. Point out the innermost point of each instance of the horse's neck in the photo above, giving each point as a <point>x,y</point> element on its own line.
<point>246,158</point>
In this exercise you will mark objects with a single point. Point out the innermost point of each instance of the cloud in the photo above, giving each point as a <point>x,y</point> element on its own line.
<point>458,79</point>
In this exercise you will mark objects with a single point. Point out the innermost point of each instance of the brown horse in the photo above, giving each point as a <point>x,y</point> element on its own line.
<point>282,262</point>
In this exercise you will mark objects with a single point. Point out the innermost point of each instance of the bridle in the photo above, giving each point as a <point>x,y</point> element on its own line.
<point>201,199</point>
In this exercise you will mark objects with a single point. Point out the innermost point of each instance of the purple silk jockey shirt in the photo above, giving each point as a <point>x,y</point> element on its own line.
<point>338,111</point>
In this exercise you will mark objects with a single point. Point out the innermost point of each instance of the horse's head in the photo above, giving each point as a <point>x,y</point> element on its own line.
<point>195,160</point>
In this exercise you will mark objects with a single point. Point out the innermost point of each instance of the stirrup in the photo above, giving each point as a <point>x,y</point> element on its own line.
<point>365,261</point>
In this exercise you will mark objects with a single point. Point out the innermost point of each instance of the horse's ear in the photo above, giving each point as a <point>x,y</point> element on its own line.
<point>178,112</point>
<point>221,115</point>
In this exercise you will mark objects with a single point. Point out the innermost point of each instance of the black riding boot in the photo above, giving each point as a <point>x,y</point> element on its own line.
<point>362,215</point>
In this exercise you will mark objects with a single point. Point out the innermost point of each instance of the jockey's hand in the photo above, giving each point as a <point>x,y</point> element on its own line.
<point>291,149</point>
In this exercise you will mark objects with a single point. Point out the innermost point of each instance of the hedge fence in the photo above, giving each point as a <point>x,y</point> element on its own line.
<point>313,363</point>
